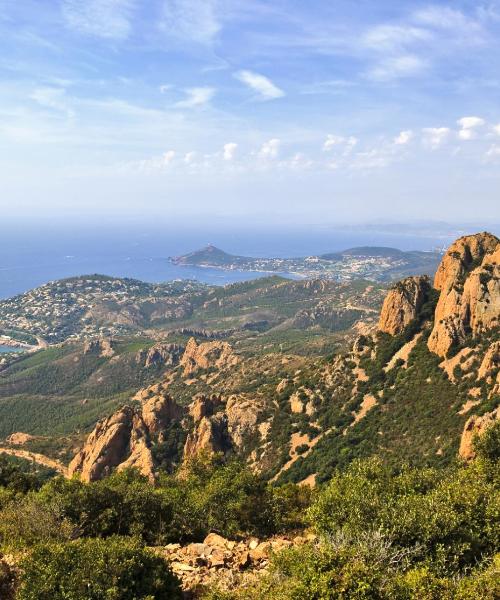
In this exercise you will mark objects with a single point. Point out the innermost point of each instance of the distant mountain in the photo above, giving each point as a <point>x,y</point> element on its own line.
<point>368,262</point>
<point>207,256</point>
<point>368,251</point>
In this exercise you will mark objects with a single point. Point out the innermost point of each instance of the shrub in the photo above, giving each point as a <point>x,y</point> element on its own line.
<point>94,569</point>
<point>487,446</point>
<point>30,521</point>
<point>450,520</point>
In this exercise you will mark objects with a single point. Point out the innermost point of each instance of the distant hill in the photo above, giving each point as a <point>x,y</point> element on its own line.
<point>207,256</point>
<point>368,251</point>
<point>367,262</point>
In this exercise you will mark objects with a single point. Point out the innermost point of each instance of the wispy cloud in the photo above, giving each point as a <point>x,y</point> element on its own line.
<point>396,67</point>
<point>394,37</point>
<point>193,21</point>
<point>197,96</point>
<point>100,18</point>
<point>53,98</point>
<point>261,84</point>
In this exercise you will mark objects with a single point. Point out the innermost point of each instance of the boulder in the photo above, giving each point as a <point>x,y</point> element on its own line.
<point>475,426</point>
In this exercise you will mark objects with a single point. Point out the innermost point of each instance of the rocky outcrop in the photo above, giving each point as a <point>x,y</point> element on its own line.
<point>475,426</point>
<point>403,303</point>
<point>203,406</point>
<point>160,410</point>
<point>103,347</point>
<point>167,355</point>
<point>125,439</point>
<point>218,355</point>
<point>468,279</point>
<point>208,436</point>
<point>105,448</point>
<point>19,438</point>
<point>490,362</point>
<point>461,256</point>
<point>243,417</point>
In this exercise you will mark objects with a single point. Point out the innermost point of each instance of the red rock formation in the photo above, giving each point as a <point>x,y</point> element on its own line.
<point>216,354</point>
<point>469,281</point>
<point>403,303</point>
<point>124,439</point>
<point>475,425</point>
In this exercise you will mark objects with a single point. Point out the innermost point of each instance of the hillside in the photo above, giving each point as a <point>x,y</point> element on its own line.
<point>368,262</point>
<point>247,374</point>
<point>194,443</point>
<point>85,307</point>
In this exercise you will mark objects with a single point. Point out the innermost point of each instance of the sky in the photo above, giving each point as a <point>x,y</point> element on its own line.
<point>281,111</point>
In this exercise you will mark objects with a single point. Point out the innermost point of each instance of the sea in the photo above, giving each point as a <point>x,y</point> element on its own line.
<point>31,256</point>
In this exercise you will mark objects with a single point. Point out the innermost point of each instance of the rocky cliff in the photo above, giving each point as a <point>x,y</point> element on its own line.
<point>216,354</point>
<point>468,280</point>
<point>125,439</point>
<point>403,303</point>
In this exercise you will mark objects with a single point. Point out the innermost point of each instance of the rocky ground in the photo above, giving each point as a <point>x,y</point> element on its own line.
<point>225,563</point>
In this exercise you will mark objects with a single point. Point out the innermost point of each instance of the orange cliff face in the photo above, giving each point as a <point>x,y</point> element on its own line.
<point>403,303</point>
<point>124,439</point>
<point>468,280</point>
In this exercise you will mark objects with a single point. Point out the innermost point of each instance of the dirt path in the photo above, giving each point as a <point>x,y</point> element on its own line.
<point>38,458</point>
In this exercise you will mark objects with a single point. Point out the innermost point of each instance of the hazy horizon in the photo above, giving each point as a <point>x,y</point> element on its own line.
<point>259,110</point>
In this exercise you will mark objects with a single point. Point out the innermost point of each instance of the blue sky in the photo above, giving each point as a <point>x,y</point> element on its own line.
<point>318,111</point>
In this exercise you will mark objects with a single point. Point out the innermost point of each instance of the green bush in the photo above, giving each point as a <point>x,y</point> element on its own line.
<point>28,521</point>
<point>94,569</point>
<point>450,519</point>
<point>206,495</point>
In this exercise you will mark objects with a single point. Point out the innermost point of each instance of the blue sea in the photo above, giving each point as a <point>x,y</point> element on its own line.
<point>33,255</point>
<point>6,349</point>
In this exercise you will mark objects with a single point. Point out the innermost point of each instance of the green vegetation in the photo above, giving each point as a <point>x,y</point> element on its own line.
<point>401,534</point>
<point>115,569</point>
<point>79,540</point>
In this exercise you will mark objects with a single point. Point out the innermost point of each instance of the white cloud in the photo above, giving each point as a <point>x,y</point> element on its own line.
<point>189,158</point>
<point>470,122</point>
<point>468,126</point>
<point>395,67</point>
<point>193,21</point>
<point>404,137</point>
<point>230,150</point>
<point>197,96</point>
<point>435,136</point>
<point>270,149</point>
<point>100,18</point>
<point>339,140</point>
<point>260,84</point>
<point>168,157</point>
<point>496,129</point>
